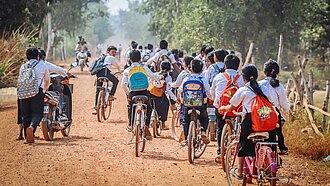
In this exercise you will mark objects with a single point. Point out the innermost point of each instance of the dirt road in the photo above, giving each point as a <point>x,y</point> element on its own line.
<point>97,153</point>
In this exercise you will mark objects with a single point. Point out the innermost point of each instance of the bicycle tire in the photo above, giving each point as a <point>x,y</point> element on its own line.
<point>154,124</point>
<point>175,126</point>
<point>212,130</point>
<point>231,162</point>
<point>137,140</point>
<point>201,147</point>
<point>106,114</point>
<point>99,106</point>
<point>159,126</point>
<point>191,141</point>
<point>224,144</point>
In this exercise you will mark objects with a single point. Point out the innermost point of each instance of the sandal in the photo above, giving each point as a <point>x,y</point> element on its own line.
<point>233,172</point>
<point>283,152</point>
<point>217,159</point>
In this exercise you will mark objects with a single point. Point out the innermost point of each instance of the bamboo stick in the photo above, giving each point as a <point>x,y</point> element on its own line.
<point>326,103</point>
<point>320,110</point>
<point>249,54</point>
<point>311,119</point>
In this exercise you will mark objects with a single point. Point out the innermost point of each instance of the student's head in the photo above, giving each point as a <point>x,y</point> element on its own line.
<point>32,53</point>
<point>209,59</point>
<point>272,69</point>
<point>175,52</point>
<point>150,47</point>
<point>140,47</point>
<point>112,50</point>
<point>135,56</point>
<point>202,50</point>
<point>163,44</point>
<point>232,62</point>
<point>134,45</point>
<point>193,54</point>
<point>219,55</point>
<point>196,66</point>
<point>187,61</point>
<point>208,50</point>
<point>165,66</point>
<point>180,54</point>
<point>250,74</point>
<point>42,54</point>
<point>145,47</point>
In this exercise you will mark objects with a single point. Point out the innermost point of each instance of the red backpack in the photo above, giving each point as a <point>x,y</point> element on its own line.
<point>264,116</point>
<point>228,93</point>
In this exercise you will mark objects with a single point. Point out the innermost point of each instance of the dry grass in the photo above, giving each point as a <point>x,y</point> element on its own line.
<point>12,54</point>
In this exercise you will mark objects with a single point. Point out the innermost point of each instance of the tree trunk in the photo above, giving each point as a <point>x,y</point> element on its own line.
<point>325,104</point>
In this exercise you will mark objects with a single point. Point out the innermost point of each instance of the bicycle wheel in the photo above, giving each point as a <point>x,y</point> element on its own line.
<point>191,142</point>
<point>176,129</point>
<point>224,144</point>
<point>232,163</point>
<point>154,123</point>
<point>107,108</point>
<point>200,147</point>
<point>138,138</point>
<point>270,169</point>
<point>159,126</point>
<point>212,130</point>
<point>99,106</point>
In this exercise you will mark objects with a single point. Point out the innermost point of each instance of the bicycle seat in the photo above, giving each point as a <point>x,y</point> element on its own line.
<point>102,78</point>
<point>258,136</point>
<point>142,98</point>
<point>197,112</point>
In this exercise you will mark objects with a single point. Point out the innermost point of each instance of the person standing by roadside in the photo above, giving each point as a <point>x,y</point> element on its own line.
<point>32,83</point>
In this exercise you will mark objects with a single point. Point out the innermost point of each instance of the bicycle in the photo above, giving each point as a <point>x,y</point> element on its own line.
<point>175,125</point>
<point>103,101</point>
<point>155,122</point>
<point>138,133</point>
<point>262,167</point>
<point>195,146</point>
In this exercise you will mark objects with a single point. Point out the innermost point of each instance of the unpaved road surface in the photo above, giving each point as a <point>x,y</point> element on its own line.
<point>97,153</point>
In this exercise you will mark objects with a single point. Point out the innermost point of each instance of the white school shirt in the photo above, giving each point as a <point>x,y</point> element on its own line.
<point>111,60</point>
<point>206,84</point>
<point>125,80</point>
<point>55,69</point>
<point>219,84</point>
<point>168,80</point>
<point>245,96</point>
<point>211,71</point>
<point>276,95</point>
<point>42,73</point>
<point>154,58</point>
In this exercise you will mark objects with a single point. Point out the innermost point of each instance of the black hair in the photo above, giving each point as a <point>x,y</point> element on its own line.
<point>135,56</point>
<point>132,42</point>
<point>150,46</point>
<point>134,45</point>
<point>163,44</point>
<point>210,57</point>
<point>187,61</point>
<point>250,74</point>
<point>220,54</point>
<point>232,62</point>
<point>42,53</point>
<point>145,47</point>
<point>203,48</point>
<point>208,50</point>
<point>140,47</point>
<point>180,54</point>
<point>193,54</point>
<point>111,47</point>
<point>272,69</point>
<point>165,66</point>
<point>197,66</point>
<point>32,53</point>
<point>175,53</point>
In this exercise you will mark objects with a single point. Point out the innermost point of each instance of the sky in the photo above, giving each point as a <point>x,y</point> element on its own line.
<point>116,5</point>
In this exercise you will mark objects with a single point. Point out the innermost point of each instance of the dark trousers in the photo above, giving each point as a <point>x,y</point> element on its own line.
<point>162,105</point>
<point>130,106</point>
<point>105,72</point>
<point>279,133</point>
<point>19,112</point>
<point>203,119</point>
<point>220,124</point>
<point>32,110</point>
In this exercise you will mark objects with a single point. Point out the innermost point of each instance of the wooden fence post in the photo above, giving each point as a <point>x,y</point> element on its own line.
<point>310,89</point>
<point>280,51</point>
<point>325,105</point>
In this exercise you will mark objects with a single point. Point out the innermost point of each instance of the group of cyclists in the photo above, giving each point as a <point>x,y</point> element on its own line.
<point>211,79</point>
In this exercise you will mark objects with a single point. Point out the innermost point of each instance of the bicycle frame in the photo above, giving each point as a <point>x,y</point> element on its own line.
<point>139,116</point>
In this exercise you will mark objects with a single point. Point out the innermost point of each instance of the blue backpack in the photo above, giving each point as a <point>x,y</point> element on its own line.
<point>193,92</point>
<point>138,79</point>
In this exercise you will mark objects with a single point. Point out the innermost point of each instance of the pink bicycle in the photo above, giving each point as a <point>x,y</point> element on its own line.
<point>262,167</point>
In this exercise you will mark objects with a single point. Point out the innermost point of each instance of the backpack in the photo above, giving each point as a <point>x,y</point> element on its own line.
<point>157,87</point>
<point>263,115</point>
<point>162,57</point>
<point>97,65</point>
<point>27,83</point>
<point>229,91</point>
<point>217,71</point>
<point>193,93</point>
<point>138,79</point>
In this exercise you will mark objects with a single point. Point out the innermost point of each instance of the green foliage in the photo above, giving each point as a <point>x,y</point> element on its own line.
<point>12,52</point>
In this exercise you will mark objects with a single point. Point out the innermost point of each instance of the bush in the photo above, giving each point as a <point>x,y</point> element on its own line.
<point>12,54</point>
<point>304,144</point>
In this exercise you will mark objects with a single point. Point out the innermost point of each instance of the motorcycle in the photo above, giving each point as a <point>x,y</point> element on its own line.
<point>58,106</point>
<point>82,59</point>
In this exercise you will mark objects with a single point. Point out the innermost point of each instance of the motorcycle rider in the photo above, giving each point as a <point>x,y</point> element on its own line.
<point>82,47</point>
